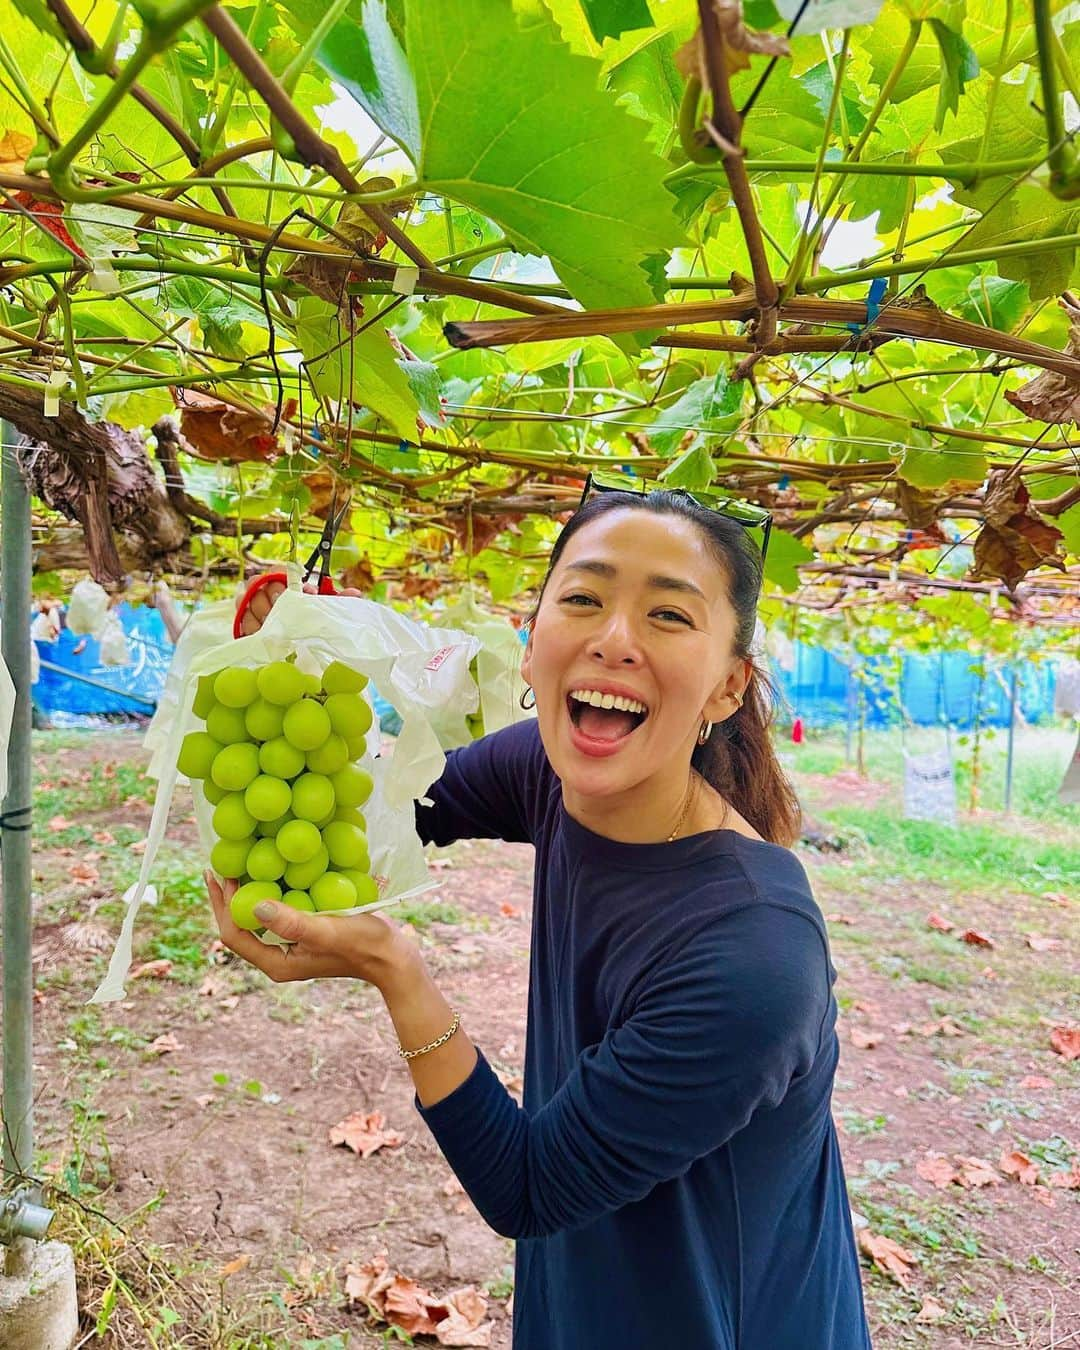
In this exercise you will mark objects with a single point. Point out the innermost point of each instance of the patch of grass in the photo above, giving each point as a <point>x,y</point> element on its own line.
<point>855,1123</point>
<point>930,1226</point>
<point>423,913</point>
<point>969,857</point>
<point>179,927</point>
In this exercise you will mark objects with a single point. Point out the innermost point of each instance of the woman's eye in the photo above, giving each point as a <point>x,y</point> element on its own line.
<point>672,614</point>
<point>578,599</point>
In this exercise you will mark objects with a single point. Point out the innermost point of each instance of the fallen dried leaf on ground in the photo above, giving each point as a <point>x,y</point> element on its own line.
<point>1043,944</point>
<point>1020,1166</point>
<point>889,1257</point>
<point>364,1132</point>
<point>865,1040</point>
<point>59,823</point>
<point>1067,1181</point>
<point>941,924</point>
<point>839,918</point>
<point>975,1172</point>
<point>457,1319</point>
<point>151,969</point>
<point>234,1267</point>
<point>976,939</point>
<point>931,1311</point>
<point>1035,1082</point>
<point>1066,1041</point>
<point>509,911</point>
<point>165,1043</point>
<point>936,1169</point>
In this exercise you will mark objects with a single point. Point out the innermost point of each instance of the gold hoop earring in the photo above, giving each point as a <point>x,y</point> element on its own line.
<point>738,700</point>
<point>704,733</point>
<point>528,707</point>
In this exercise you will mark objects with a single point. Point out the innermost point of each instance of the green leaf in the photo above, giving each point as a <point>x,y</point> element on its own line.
<point>378,382</point>
<point>959,64</point>
<point>711,405</point>
<point>426,386</point>
<point>694,468</point>
<point>611,18</point>
<point>935,468</point>
<point>42,17</point>
<point>995,302</point>
<point>370,64</point>
<point>1027,213</point>
<point>783,559</point>
<point>521,131</point>
<point>1069,525</point>
<point>221,314</point>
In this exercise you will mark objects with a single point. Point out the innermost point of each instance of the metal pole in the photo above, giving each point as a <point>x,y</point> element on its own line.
<point>1013,683</point>
<point>15,563</point>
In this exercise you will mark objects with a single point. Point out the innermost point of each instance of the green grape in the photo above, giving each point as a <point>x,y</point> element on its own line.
<point>323,821</point>
<point>299,900</point>
<point>366,888</point>
<point>280,758</point>
<point>332,755</point>
<point>312,796</point>
<point>306,724</point>
<point>312,685</point>
<point>235,688</point>
<point>298,840</point>
<point>232,819</point>
<point>198,751</point>
<point>352,815</point>
<point>333,891</point>
<point>339,678</point>
<point>356,746</point>
<point>267,829</point>
<point>228,857</point>
<point>226,724</point>
<point>301,874</point>
<point>263,720</point>
<point>235,766</point>
<point>349,714</point>
<point>352,785</point>
<point>346,844</point>
<point>280,683</point>
<point>204,696</point>
<point>252,893</point>
<point>267,798</point>
<point>264,862</point>
<point>212,792</point>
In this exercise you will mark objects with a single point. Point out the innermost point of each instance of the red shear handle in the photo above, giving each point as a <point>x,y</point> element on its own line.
<point>326,587</point>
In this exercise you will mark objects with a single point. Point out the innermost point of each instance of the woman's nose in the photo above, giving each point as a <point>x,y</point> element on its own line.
<point>616,642</point>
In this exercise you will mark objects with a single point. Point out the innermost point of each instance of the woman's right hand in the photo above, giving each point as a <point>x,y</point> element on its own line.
<point>262,602</point>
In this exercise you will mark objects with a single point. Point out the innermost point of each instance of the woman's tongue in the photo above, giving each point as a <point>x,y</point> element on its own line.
<point>605,724</point>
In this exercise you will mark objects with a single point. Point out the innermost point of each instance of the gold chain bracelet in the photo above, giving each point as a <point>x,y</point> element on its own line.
<point>411,1054</point>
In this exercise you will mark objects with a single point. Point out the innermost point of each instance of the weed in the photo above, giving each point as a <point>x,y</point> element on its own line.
<point>855,1123</point>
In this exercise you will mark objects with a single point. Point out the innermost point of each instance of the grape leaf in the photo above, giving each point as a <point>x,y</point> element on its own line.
<point>367,61</point>
<point>959,64</point>
<point>612,18</point>
<point>935,468</point>
<point>377,382</point>
<point>694,468</point>
<point>782,561</point>
<point>513,123</point>
<point>708,405</point>
<point>1027,213</point>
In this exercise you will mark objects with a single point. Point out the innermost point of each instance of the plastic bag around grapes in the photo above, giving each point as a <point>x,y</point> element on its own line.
<point>112,642</point>
<point>423,671</point>
<point>498,665</point>
<point>88,607</point>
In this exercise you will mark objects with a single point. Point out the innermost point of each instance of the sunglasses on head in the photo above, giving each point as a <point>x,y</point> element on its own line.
<point>749,516</point>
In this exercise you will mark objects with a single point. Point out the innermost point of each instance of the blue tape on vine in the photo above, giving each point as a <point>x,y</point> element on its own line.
<point>874,297</point>
<point>627,470</point>
<point>404,447</point>
<point>784,482</point>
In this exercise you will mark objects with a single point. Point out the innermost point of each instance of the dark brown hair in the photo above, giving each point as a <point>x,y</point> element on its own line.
<point>738,759</point>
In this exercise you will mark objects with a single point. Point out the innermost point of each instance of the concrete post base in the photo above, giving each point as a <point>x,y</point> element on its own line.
<point>38,1305</point>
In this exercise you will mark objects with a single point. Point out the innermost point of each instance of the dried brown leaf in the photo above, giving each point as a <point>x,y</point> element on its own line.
<point>364,1132</point>
<point>931,1311</point>
<point>235,1266</point>
<point>154,970</point>
<point>865,1040</point>
<point>1014,538</point>
<point>976,939</point>
<point>1043,944</point>
<point>1066,1041</point>
<point>889,1257</point>
<point>164,1044</point>
<point>1068,1181</point>
<point>975,1172</point>
<point>941,924</point>
<point>1035,1082</point>
<point>1051,396</point>
<point>1020,1166</point>
<point>937,1170</point>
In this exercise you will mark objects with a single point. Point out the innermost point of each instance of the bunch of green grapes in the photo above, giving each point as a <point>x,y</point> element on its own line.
<point>277,761</point>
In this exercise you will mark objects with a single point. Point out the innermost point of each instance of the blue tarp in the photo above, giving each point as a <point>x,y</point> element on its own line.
<point>933,689</point>
<point>59,697</point>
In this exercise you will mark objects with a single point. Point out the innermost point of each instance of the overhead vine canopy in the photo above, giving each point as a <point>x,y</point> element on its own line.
<point>812,253</point>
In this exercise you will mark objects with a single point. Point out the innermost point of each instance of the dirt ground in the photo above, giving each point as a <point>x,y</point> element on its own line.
<point>211,1149</point>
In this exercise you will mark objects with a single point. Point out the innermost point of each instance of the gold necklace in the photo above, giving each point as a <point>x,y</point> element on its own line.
<point>691,793</point>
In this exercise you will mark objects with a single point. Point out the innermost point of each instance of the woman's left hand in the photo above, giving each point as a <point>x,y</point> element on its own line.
<point>361,946</point>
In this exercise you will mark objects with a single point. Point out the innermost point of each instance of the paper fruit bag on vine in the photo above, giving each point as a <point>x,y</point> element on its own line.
<point>277,736</point>
<point>496,667</point>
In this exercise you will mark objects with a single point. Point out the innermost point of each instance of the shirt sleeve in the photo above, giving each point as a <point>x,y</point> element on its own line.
<point>723,1030</point>
<point>488,790</point>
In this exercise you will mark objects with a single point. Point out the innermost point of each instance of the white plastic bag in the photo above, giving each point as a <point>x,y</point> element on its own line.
<point>88,607</point>
<point>498,665</point>
<point>112,642</point>
<point>423,671</point>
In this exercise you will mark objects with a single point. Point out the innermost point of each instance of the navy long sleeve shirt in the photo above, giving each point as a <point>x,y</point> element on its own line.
<point>673,1179</point>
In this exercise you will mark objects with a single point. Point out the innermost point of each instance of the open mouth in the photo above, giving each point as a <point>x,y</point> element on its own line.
<point>605,717</point>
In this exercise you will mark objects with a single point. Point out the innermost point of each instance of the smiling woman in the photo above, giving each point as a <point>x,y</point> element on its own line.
<point>673,1177</point>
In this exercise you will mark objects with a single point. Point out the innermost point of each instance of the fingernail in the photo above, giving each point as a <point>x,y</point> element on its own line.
<point>266,910</point>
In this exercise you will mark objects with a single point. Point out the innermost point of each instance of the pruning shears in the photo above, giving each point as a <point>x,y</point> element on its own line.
<point>318,559</point>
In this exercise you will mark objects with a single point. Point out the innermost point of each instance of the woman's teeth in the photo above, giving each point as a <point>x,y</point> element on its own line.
<point>597,700</point>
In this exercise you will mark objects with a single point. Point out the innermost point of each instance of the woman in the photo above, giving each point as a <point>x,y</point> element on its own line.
<point>674,1179</point>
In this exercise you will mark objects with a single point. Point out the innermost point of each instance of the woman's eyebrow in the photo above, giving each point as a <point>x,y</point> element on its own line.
<point>657,581</point>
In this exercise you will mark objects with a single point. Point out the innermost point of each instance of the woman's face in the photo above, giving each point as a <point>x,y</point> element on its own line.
<point>636,610</point>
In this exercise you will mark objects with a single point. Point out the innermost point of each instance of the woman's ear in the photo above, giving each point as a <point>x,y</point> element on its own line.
<point>720,704</point>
